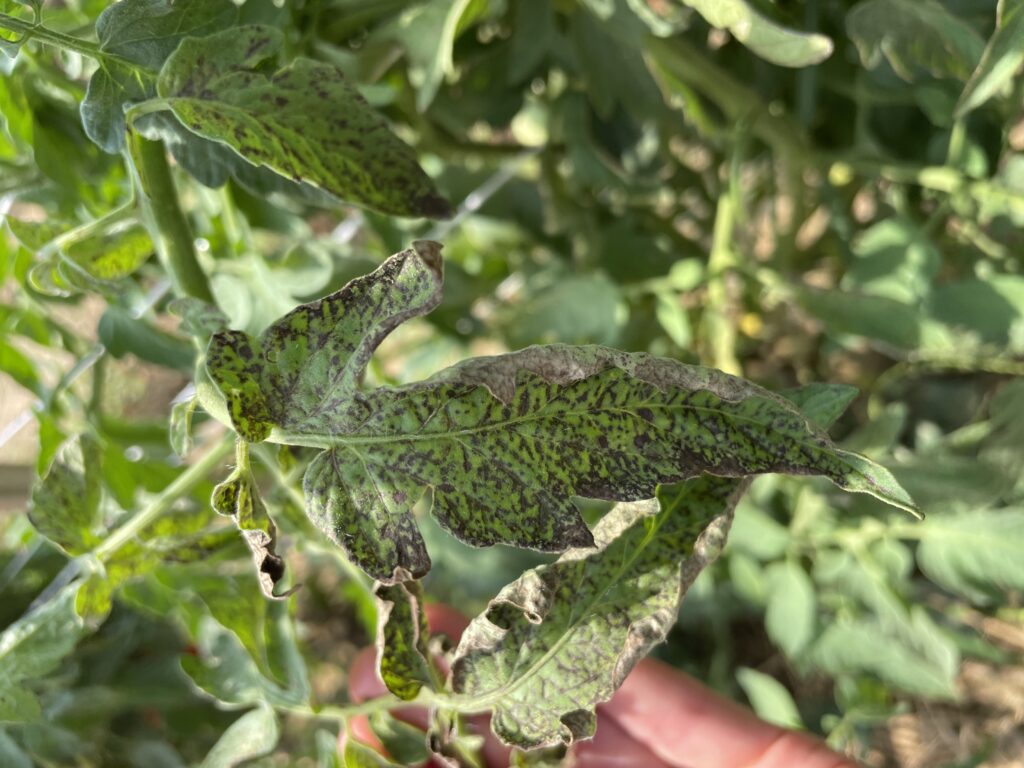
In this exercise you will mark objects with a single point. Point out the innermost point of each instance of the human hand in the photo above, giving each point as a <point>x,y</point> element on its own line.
<point>659,718</point>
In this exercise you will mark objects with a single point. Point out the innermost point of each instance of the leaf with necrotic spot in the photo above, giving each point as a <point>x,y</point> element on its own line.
<point>562,637</point>
<point>306,121</point>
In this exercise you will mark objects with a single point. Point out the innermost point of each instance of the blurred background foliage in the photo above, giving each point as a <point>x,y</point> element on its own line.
<point>638,173</point>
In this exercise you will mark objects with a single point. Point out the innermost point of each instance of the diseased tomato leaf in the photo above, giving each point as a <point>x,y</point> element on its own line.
<point>305,122</point>
<point>489,437</point>
<point>402,638</point>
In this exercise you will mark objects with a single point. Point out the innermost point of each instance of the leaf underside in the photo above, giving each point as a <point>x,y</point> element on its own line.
<point>489,438</point>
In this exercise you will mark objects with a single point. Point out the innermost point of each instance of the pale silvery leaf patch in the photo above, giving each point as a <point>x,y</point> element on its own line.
<point>503,443</point>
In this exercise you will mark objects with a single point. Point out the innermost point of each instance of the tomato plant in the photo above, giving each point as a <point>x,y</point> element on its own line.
<point>582,285</point>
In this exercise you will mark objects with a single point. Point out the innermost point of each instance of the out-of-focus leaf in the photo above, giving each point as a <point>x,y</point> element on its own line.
<point>16,364</point>
<point>406,743</point>
<point>976,554</point>
<point>33,646</point>
<point>792,607</point>
<point>769,698</point>
<point>65,501</point>
<point>180,427</point>
<point>114,254</point>
<point>1001,60</point>
<point>873,317</point>
<point>771,41</point>
<point>894,260</point>
<point>122,333</point>
<point>252,735</point>
<point>358,755</point>
<point>673,319</point>
<point>914,35</point>
<point>563,637</point>
<point>563,308</point>
<point>11,46</point>
<point>305,122</point>
<point>853,646</point>
<point>11,755</point>
<point>987,307</point>
<point>427,32</point>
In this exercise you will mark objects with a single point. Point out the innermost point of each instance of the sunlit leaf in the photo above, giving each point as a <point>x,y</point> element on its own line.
<point>252,735</point>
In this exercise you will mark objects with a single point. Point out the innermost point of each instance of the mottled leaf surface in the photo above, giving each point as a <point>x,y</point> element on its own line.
<point>490,437</point>
<point>402,635</point>
<point>66,500</point>
<point>914,36</point>
<point>562,637</point>
<point>306,121</point>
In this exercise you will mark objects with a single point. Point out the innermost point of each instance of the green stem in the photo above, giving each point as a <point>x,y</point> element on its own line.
<point>182,484</point>
<point>167,223</point>
<point>49,36</point>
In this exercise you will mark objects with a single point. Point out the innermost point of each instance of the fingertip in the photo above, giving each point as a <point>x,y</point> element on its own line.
<point>445,620</point>
<point>363,682</point>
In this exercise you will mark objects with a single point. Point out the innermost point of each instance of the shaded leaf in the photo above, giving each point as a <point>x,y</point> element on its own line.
<point>66,500</point>
<point>123,333</point>
<point>406,743</point>
<point>771,41</point>
<point>1001,59</point>
<point>305,122</point>
<point>358,755</point>
<point>180,427</point>
<point>914,35</point>
<point>402,635</point>
<point>489,436</point>
<point>252,735</point>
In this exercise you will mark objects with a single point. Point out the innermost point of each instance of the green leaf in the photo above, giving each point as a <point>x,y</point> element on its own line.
<point>33,646</point>
<point>406,743</point>
<point>113,254</point>
<point>771,41</point>
<point>489,436</point>
<point>142,33</point>
<point>769,698</point>
<point>988,307</point>
<point>11,47</point>
<point>1001,59</point>
<point>11,755</point>
<point>976,554</point>
<point>896,260</point>
<point>402,639</point>
<point>563,637</point>
<point>252,735</point>
<point>914,35</point>
<point>17,365</point>
<point>122,333</point>
<point>673,319</point>
<point>305,122</point>
<point>180,428</point>
<point>427,31</point>
<point>66,500</point>
<point>792,607</point>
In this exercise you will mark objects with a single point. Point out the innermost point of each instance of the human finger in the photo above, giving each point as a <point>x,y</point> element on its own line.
<point>688,725</point>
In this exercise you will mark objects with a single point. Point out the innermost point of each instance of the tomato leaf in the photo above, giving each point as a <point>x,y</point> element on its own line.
<point>305,122</point>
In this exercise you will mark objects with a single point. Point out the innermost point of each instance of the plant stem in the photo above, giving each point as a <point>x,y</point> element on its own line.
<point>182,484</point>
<point>167,223</point>
<point>49,36</point>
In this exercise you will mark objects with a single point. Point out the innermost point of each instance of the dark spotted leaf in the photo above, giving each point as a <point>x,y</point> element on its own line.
<point>402,638</point>
<point>66,500</point>
<point>136,37</point>
<point>562,637</point>
<point>305,122</point>
<point>490,436</point>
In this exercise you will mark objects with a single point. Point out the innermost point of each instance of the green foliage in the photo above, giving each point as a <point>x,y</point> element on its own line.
<point>662,214</point>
